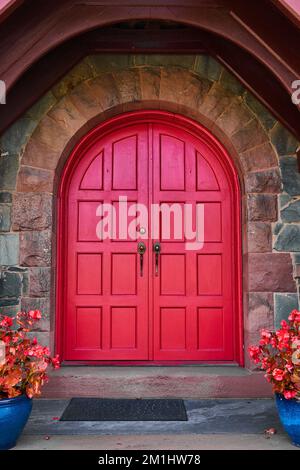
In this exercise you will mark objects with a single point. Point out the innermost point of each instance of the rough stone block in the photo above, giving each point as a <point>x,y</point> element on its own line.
<point>277,227</point>
<point>9,249</point>
<point>5,197</point>
<point>208,67</point>
<point>107,62</point>
<point>288,238</point>
<point>10,286</point>
<point>267,181</point>
<point>7,303</point>
<point>229,82</point>
<point>283,140</point>
<point>42,106</point>
<point>85,99</point>
<point>35,180</point>
<point>262,207</point>
<point>10,310</point>
<point>35,248</point>
<point>165,60</point>
<point>25,283</point>
<point>9,165</point>
<point>150,83</point>
<point>179,86</point>
<point>128,84</point>
<point>215,101</point>
<point>40,280</point>
<point>237,115</point>
<point>249,136</point>
<point>259,158</point>
<point>270,272</point>
<point>259,237</point>
<point>78,74</point>
<point>284,199</point>
<point>290,175</point>
<point>66,114</point>
<point>260,313</point>
<point>96,95</point>
<point>46,144</point>
<point>5,217</point>
<point>267,120</point>
<point>284,304</point>
<point>32,211</point>
<point>291,212</point>
<point>15,138</point>
<point>296,257</point>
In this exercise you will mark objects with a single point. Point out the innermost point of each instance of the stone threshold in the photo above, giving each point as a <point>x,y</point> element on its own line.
<point>157,382</point>
<point>145,370</point>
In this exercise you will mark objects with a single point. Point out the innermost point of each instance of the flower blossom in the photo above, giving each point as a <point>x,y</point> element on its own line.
<point>289,394</point>
<point>278,374</point>
<point>6,322</point>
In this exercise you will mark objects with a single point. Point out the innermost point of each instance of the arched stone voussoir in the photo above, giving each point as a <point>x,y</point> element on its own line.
<point>234,117</point>
<point>44,147</point>
<point>183,86</point>
<point>150,79</point>
<point>216,101</point>
<point>260,157</point>
<point>128,84</point>
<point>67,115</point>
<point>96,95</point>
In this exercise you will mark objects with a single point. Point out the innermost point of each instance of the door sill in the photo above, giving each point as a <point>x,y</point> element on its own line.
<point>149,364</point>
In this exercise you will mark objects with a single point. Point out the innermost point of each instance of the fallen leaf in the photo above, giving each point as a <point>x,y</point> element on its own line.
<point>270,431</point>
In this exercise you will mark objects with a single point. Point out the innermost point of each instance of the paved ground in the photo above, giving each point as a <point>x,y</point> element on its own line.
<point>157,442</point>
<point>212,424</point>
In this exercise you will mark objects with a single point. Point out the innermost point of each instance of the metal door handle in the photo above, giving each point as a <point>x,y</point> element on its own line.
<point>157,250</point>
<point>141,252</point>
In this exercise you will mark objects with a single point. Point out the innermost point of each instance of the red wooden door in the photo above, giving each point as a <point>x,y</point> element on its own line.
<point>193,297</point>
<point>107,299</point>
<point>184,308</point>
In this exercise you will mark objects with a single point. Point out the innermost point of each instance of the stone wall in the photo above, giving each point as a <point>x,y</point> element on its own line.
<point>35,148</point>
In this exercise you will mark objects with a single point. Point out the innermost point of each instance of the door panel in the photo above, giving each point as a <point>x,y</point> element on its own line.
<point>107,299</point>
<point>180,310</point>
<point>193,314</point>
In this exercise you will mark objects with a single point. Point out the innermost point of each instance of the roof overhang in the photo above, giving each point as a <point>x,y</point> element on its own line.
<point>253,44</point>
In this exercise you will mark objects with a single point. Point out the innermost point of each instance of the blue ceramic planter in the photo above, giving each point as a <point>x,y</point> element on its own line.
<point>14,413</point>
<point>289,414</point>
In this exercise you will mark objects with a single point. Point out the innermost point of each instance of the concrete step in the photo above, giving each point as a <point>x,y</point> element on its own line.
<point>156,382</point>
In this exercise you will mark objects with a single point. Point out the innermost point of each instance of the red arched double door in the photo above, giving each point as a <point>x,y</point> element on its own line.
<point>123,302</point>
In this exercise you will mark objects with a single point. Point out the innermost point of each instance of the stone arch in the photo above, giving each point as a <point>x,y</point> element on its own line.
<point>200,89</point>
<point>108,94</point>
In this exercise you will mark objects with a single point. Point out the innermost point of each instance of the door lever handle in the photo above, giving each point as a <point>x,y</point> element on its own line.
<point>157,250</point>
<point>141,252</point>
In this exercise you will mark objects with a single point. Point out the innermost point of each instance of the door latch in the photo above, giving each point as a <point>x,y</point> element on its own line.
<point>157,250</point>
<point>141,252</point>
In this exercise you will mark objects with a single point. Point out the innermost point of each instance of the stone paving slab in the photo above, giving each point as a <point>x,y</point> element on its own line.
<point>158,442</point>
<point>228,416</point>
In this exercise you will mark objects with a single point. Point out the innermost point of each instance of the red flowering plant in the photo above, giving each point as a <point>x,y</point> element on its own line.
<point>278,353</point>
<point>23,362</point>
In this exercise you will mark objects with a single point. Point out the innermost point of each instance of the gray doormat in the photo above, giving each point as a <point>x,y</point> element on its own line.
<point>105,409</point>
